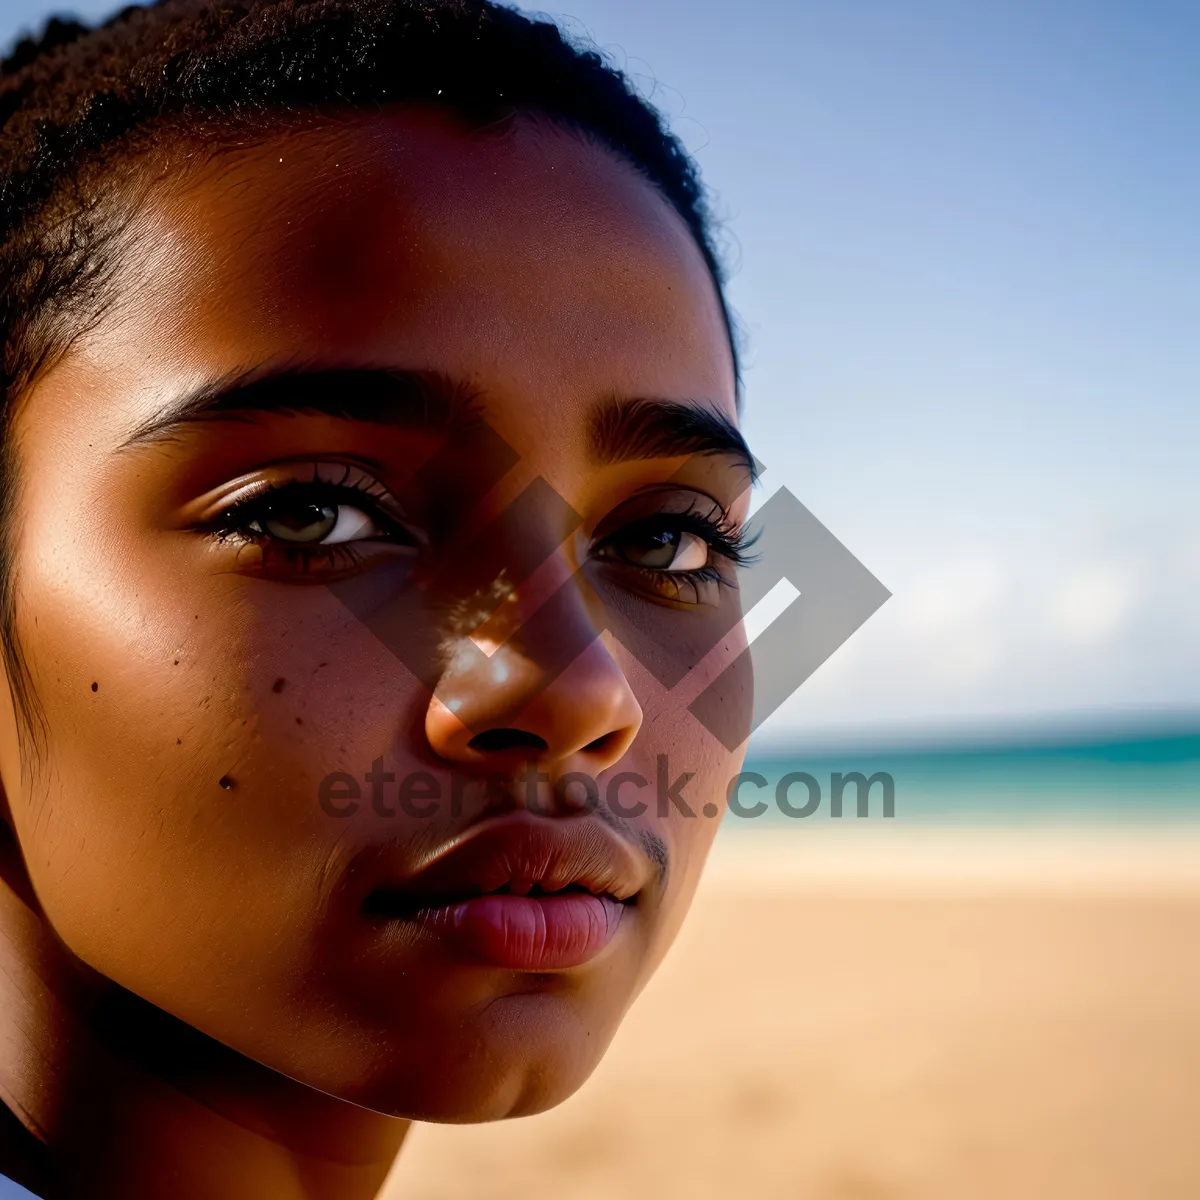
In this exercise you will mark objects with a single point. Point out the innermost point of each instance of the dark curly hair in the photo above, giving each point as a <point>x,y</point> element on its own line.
<point>79,104</point>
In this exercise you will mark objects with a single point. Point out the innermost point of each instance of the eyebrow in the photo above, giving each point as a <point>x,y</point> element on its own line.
<point>623,430</point>
<point>418,399</point>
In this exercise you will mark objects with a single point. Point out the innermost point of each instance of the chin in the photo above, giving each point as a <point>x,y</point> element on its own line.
<point>522,1055</point>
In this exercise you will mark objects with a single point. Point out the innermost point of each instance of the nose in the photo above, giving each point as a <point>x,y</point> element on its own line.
<point>498,711</point>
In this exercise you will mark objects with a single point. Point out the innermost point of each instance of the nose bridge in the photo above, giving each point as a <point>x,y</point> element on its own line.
<point>511,550</point>
<point>512,591</point>
<point>548,621</point>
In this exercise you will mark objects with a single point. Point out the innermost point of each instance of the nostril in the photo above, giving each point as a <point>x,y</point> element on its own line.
<point>494,741</point>
<point>603,744</point>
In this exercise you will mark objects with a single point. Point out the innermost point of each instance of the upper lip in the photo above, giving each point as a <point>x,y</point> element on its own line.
<point>518,854</point>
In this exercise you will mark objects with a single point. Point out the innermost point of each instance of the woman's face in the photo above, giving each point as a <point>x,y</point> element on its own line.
<point>393,486</point>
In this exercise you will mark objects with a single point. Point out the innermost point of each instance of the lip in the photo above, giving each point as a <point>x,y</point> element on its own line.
<point>521,892</point>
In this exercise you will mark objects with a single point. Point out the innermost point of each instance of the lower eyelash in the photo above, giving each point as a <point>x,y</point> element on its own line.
<point>339,554</point>
<point>673,584</point>
<point>336,555</point>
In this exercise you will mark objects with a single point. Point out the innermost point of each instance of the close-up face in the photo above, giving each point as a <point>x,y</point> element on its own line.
<point>368,550</point>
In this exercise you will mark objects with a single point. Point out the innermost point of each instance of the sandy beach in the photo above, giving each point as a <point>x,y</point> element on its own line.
<point>889,1014</point>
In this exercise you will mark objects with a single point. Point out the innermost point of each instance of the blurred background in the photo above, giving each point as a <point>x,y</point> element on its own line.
<point>963,242</point>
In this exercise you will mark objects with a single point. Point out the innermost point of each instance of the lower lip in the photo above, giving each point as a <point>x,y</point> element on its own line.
<point>529,933</point>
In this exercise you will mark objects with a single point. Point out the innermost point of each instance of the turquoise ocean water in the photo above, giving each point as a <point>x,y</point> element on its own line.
<point>1133,777</point>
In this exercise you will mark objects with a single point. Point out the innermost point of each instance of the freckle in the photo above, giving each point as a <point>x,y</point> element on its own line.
<point>226,782</point>
<point>95,687</point>
<point>278,685</point>
<point>179,741</point>
<point>177,662</point>
<point>299,722</point>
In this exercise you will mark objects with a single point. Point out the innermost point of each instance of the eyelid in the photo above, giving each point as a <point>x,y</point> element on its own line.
<point>350,479</point>
<point>654,501</point>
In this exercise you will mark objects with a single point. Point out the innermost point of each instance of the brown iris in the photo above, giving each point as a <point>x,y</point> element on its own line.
<point>300,522</point>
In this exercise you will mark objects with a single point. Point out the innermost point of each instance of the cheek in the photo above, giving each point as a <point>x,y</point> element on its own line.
<point>688,770</point>
<point>174,829</point>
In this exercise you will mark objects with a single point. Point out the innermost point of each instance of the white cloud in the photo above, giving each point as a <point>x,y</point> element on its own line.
<point>1093,603</point>
<point>1023,628</point>
<point>955,594</point>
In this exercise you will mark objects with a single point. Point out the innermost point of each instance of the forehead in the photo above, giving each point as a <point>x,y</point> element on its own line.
<point>526,258</point>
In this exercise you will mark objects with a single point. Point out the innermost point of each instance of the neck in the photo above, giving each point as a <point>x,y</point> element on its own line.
<point>120,1099</point>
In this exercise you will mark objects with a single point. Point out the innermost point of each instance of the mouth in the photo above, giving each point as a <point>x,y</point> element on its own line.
<point>523,893</point>
<point>396,905</point>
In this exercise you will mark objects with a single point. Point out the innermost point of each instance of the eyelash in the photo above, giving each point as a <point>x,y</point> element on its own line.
<point>232,524</point>
<point>730,544</point>
<point>688,587</point>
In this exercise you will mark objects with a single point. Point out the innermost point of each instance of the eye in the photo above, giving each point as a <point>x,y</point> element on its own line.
<point>685,553</point>
<point>338,507</point>
<point>658,548</point>
<point>305,523</point>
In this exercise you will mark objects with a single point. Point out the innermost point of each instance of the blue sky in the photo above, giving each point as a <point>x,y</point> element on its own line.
<point>965,241</point>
